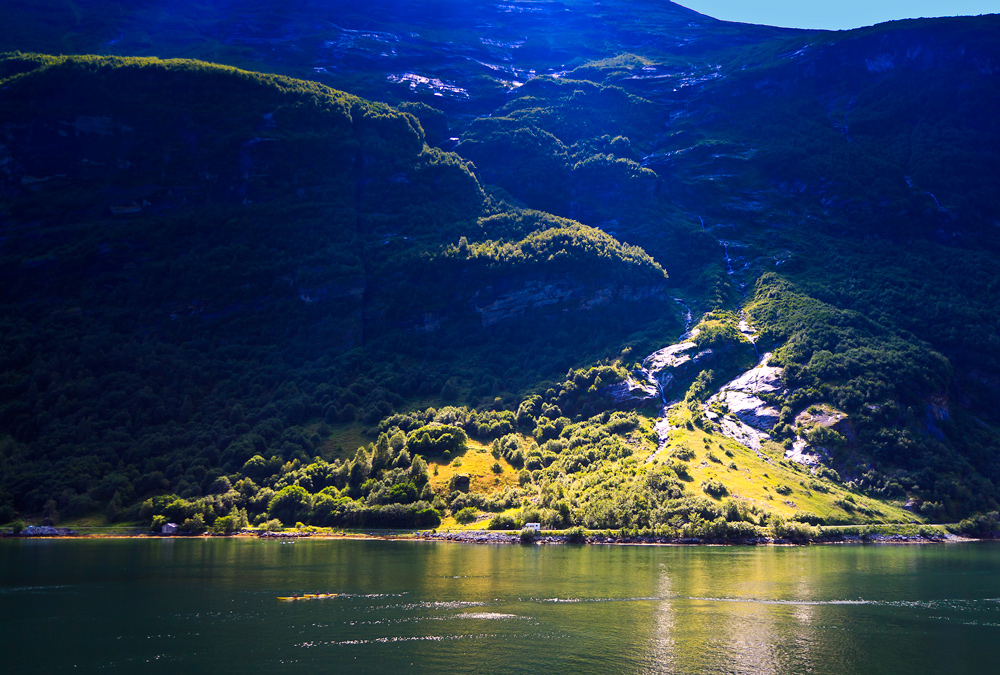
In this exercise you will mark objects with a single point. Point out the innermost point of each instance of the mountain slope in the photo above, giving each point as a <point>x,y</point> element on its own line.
<point>261,256</point>
<point>312,274</point>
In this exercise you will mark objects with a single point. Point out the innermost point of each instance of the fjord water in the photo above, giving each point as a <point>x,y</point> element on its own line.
<point>204,605</point>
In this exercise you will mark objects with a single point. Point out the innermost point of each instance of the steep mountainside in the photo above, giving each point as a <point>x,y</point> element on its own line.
<point>219,283</point>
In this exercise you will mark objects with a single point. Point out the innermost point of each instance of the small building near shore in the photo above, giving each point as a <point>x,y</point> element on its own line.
<point>536,527</point>
<point>170,528</point>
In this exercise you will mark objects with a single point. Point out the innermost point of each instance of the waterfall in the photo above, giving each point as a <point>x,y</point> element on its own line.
<point>940,208</point>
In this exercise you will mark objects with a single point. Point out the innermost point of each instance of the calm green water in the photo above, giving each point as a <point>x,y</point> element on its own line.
<point>209,605</point>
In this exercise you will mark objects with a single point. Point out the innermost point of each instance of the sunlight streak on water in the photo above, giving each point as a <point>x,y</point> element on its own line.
<point>585,610</point>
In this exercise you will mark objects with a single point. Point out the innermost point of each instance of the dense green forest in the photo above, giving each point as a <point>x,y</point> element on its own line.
<point>233,298</point>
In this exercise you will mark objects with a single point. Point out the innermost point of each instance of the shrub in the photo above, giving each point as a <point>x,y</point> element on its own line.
<point>846,504</point>
<point>806,517</point>
<point>828,473</point>
<point>467,515</point>
<point>427,518</point>
<point>682,470</point>
<point>225,525</point>
<point>981,525</point>
<point>403,493</point>
<point>714,488</point>
<point>817,486</point>
<point>290,504</point>
<point>194,525</point>
<point>437,438</point>
<point>503,521</point>
<point>527,536</point>
<point>576,535</point>
<point>799,533</point>
<point>683,454</point>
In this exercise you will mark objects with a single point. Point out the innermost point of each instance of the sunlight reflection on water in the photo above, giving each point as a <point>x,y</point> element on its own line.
<point>498,609</point>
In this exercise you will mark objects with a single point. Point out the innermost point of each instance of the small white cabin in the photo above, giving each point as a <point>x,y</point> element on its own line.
<point>536,527</point>
<point>169,528</point>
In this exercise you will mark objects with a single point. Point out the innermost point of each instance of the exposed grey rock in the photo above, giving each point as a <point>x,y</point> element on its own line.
<point>762,379</point>
<point>824,415</point>
<point>46,531</point>
<point>740,432</point>
<point>460,482</point>
<point>740,396</point>
<point>750,409</point>
<point>670,357</point>
<point>672,363</point>
<point>802,453</point>
<point>660,370</point>
<point>632,392</point>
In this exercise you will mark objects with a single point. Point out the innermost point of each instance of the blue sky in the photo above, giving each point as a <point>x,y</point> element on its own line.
<point>839,15</point>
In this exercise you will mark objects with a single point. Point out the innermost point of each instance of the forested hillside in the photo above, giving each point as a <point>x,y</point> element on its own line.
<point>616,267</point>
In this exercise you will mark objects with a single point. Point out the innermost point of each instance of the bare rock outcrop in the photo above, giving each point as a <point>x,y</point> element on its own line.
<point>805,448</point>
<point>741,396</point>
<point>659,371</point>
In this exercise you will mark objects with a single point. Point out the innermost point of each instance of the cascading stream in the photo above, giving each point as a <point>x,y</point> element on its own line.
<point>662,426</point>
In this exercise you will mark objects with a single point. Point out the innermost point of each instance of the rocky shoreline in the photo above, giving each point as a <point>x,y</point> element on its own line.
<point>488,537</point>
<point>508,537</point>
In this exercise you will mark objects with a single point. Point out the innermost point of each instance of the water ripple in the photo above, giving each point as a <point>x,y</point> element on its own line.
<point>393,639</point>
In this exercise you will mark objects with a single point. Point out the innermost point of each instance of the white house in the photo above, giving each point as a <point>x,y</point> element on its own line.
<point>536,527</point>
<point>169,528</point>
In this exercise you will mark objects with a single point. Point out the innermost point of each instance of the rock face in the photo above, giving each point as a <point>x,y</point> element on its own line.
<point>666,366</point>
<point>659,371</point>
<point>46,531</point>
<point>494,306</point>
<point>669,357</point>
<point>825,416</point>
<point>802,453</point>
<point>750,409</point>
<point>738,431</point>
<point>816,417</point>
<point>748,418</point>
<point>460,482</point>
<point>633,392</point>
<point>532,295</point>
<point>740,396</point>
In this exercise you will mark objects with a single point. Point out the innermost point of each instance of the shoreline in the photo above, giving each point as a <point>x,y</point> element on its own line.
<point>475,537</point>
<point>505,538</point>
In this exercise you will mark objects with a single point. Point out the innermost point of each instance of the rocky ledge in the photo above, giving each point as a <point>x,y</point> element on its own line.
<point>284,535</point>
<point>482,537</point>
<point>741,396</point>
<point>746,417</point>
<point>658,373</point>
<point>47,531</point>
